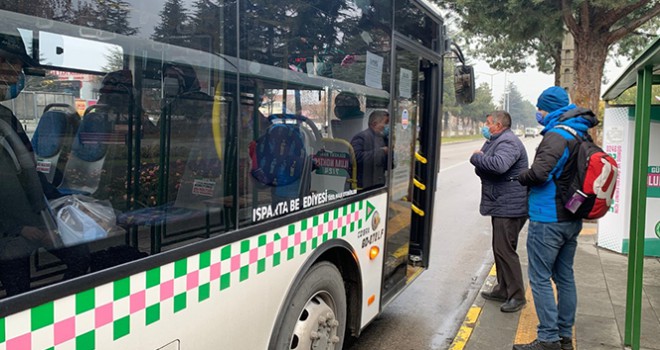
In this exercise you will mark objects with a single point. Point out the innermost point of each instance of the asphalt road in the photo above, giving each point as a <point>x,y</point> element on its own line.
<point>428,313</point>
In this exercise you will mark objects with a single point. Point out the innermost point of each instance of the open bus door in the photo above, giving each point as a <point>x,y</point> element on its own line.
<point>414,143</point>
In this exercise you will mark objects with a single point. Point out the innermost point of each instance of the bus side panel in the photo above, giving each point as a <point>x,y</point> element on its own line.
<point>227,296</point>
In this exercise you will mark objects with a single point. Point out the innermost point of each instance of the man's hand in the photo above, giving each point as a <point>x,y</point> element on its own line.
<point>385,149</point>
<point>478,151</point>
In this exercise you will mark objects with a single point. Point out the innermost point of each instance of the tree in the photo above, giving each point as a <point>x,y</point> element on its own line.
<point>108,15</point>
<point>173,23</point>
<point>596,26</point>
<point>521,111</point>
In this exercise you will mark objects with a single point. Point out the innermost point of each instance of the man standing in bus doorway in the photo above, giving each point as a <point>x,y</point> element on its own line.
<point>371,147</point>
<point>553,230</point>
<point>498,163</point>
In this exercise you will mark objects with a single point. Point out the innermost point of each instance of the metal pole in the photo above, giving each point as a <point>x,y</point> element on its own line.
<point>638,208</point>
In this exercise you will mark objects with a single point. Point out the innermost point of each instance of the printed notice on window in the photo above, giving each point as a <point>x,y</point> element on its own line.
<point>405,83</point>
<point>373,75</point>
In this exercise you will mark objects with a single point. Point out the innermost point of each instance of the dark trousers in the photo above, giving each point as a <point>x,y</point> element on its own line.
<point>507,262</point>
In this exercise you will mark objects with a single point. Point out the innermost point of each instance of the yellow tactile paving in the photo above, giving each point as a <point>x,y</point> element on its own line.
<point>527,322</point>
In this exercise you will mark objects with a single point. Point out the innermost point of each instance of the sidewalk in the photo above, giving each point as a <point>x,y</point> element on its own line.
<point>600,322</point>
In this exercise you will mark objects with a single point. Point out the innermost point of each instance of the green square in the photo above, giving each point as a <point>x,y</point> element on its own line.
<point>244,273</point>
<point>85,301</point>
<point>276,259</point>
<point>315,242</point>
<point>315,221</point>
<point>86,341</point>
<point>325,237</point>
<point>152,314</point>
<point>180,268</point>
<point>334,233</point>
<point>336,214</point>
<point>3,336</point>
<point>261,265</point>
<point>121,327</point>
<point>290,253</point>
<point>245,246</point>
<point>292,230</point>
<point>225,252</point>
<point>303,248</point>
<point>352,227</point>
<point>361,204</point>
<point>326,218</point>
<point>262,240</point>
<point>204,291</point>
<point>153,277</point>
<point>352,207</point>
<point>205,259</point>
<point>344,210</point>
<point>225,280</point>
<point>179,302</point>
<point>121,288</point>
<point>343,231</point>
<point>303,225</point>
<point>359,224</point>
<point>42,316</point>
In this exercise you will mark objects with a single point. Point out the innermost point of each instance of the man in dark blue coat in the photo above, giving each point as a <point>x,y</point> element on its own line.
<point>498,163</point>
<point>371,149</point>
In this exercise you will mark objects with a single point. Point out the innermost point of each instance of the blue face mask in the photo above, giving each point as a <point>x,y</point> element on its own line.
<point>14,89</point>
<point>539,118</point>
<point>386,131</point>
<point>486,132</point>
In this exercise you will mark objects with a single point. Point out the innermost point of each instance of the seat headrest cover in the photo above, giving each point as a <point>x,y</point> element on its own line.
<point>49,135</point>
<point>89,144</point>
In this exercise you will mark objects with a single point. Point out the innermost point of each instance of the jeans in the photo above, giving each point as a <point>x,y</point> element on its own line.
<point>551,250</point>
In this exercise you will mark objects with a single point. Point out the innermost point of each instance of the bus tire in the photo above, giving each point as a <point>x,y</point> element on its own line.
<point>316,316</point>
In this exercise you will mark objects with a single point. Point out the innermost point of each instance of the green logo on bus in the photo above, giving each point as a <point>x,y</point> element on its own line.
<point>657,229</point>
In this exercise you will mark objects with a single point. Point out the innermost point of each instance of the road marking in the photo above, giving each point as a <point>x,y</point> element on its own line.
<point>466,329</point>
<point>453,166</point>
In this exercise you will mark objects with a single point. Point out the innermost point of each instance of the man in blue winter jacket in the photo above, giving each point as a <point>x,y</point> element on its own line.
<point>498,163</point>
<point>553,230</point>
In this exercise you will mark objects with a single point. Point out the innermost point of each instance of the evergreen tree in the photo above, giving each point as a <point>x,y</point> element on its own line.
<point>173,24</point>
<point>109,15</point>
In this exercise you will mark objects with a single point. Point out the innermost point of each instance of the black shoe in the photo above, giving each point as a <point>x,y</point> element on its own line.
<point>513,305</point>
<point>495,296</point>
<point>538,345</point>
<point>566,343</point>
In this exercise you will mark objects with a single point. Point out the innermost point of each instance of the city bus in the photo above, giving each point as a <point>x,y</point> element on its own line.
<point>225,174</point>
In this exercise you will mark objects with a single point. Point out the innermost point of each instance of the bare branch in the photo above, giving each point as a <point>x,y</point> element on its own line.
<point>569,20</point>
<point>625,30</point>
<point>615,14</point>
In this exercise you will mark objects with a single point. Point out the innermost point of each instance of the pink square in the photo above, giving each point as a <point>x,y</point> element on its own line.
<point>319,231</point>
<point>348,218</point>
<point>269,249</point>
<point>65,330</point>
<point>341,221</point>
<point>23,342</point>
<point>284,244</point>
<point>138,301</point>
<point>192,280</point>
<point>254,255</point>
<point>296,238</point>
<point>356,214</point>
<point>102,315</point>
<point>331,225</point>
<point>309,234</point>
<point>235,263</point>
<point>215,271</point>
<point>166,290</point>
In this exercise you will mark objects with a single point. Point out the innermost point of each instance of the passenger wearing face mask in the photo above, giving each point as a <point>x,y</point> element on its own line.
<point>371,148</point>
<point>23,191</point>
<point>498,163</point>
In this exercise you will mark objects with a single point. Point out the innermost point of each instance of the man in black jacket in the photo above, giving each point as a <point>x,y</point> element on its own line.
<point>498,163</point>
<point>371,149</point>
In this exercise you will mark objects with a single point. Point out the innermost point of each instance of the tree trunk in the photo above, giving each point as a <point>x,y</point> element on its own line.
<point>590,56</point>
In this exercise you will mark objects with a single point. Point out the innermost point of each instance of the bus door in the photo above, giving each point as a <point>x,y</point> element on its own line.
<point>413,142</point>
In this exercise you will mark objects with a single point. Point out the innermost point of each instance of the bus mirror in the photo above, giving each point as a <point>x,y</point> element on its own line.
<point>464,84</point>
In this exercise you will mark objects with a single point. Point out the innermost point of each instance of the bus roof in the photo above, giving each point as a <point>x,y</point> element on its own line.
<point>650,56</point>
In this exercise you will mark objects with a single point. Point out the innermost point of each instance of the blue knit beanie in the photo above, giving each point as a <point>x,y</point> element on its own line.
<point>552,99</point>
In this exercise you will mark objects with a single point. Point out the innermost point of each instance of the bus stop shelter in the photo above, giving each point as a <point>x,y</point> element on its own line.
<point>643,72</point>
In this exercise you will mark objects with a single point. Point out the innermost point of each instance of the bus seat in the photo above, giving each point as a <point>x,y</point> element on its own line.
<point>84,167</point>
<point>52,140</point>
<point>346,128</point>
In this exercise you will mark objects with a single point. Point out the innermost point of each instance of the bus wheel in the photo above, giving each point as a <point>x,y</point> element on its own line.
<point>316,316</point>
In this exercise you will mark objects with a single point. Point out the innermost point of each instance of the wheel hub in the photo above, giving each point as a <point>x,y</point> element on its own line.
<point>317,326</point>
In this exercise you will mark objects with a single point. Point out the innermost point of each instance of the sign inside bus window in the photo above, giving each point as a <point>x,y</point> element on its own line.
<point>285,207</point>
<point>332,163</point>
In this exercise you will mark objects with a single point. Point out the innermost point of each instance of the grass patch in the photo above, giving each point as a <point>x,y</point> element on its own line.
<point>452,139</point>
